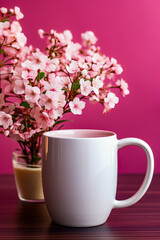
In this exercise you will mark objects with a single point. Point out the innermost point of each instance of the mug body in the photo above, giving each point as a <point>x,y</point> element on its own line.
<point>79,174</point>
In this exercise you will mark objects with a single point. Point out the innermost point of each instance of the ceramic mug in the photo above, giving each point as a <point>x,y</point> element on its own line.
<point>79,175</point>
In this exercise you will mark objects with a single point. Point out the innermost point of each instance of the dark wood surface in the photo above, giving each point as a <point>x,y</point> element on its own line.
<point>19,220</point>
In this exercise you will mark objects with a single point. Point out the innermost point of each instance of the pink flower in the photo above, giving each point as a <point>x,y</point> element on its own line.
<point>32,94</point>
<point>30,133</point>
<point>29,70</point>
<point>6,133</point>
<point>55,113</point>
<point>52,100</point>
<point>110,101</point>
<point>9,109</point>
<point>67,36</point>
<point>10,51</point>
<point>52,65</point>
<point>17,72</point>
<point>64,37</point>
<point>8,88</point>
<point>35,111</point>
<point>44,121</point>
<point>97,84</point>
<point>11,10</point>
<point>88,38</point>
<point>5,120</point>
<point>85,87</point>
<point>85,73</point>
<point>63,80</point>
<point>94,99</point>
<point>95,68</point>
<point>18,13</point>
<point>123,86</point>
<point>24,52</point>
<point>19,87</point>
<point>27,65</point>
<point>3,10</point>
<point>76,106</point>
<point>49,100</point>
<point>72,50</point>
<point>98,59</point>
<point>21,39</point>
<point>16,27</point>
<point>3,28</point>
<point>116,67</point>
<point>16,133</point>
<point>83,64</point>
<point>39,60</point>
<point>41,33</point>
<point>73,67</point>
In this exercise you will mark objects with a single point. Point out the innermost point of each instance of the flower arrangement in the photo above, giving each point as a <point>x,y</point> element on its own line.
<point>37,88</point>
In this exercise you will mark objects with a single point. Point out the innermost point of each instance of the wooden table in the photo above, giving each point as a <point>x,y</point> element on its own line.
<point>20,220</point>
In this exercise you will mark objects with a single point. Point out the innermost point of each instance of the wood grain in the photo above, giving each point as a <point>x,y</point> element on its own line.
<point>19,220</point>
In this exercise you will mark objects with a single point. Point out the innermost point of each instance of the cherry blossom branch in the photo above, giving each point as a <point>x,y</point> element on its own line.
<point>38,88</point>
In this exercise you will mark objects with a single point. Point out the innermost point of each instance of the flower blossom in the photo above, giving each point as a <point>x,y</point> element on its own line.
<point>73,67</point>
<point>85,87</point>
<point>110,101</point>
<point>5,120</point>
<point>16,27</point>
<point>29,70</point>
<point>55,113</point>
<point>97,84</point>
<point>3,28</point>
<point>19,87</point>
<point>116,67</point>
<point>123,86</point>
<point>41,33</point>
<point>3,10</point>
<point>52,65</point>
<point>64,37</point>
<point>88,38</point>
<point>76,106</point>
<point>38,88</point>
<point>43,120</point>
<point>67,36</point>
<point>72,50</point>
<point>32,94</point>
<point>18,13</point>
<point>53,83</point>
<point>49,100</point>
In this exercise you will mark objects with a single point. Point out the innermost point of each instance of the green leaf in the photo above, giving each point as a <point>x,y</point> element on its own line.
<point>40,76</point>
<point>67,111</point>
<point>36,159</point>
<point>64,89</point>
<point>75,86</point>
<point>60,127</point>
<point>91,80</point>
<point>2,51</point>
<point>6,20</point>
<point>61,121</point>
<point>25,104</point>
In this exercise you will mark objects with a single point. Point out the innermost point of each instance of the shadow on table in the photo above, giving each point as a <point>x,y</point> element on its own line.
<point>99,232</point>
<point>33,220</point>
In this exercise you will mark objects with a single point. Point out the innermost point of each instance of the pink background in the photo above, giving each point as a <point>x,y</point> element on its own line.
<point>128,31</point>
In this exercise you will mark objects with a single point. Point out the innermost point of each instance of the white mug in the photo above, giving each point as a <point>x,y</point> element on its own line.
<point>79,175</point>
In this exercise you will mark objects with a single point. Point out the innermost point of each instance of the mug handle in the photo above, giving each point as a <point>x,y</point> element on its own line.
<point>148,176</point>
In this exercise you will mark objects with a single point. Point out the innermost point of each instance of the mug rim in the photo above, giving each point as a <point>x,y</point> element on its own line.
<point>92,134</point>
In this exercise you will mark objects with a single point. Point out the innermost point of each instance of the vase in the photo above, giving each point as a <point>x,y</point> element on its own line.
<point>28,179</point>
